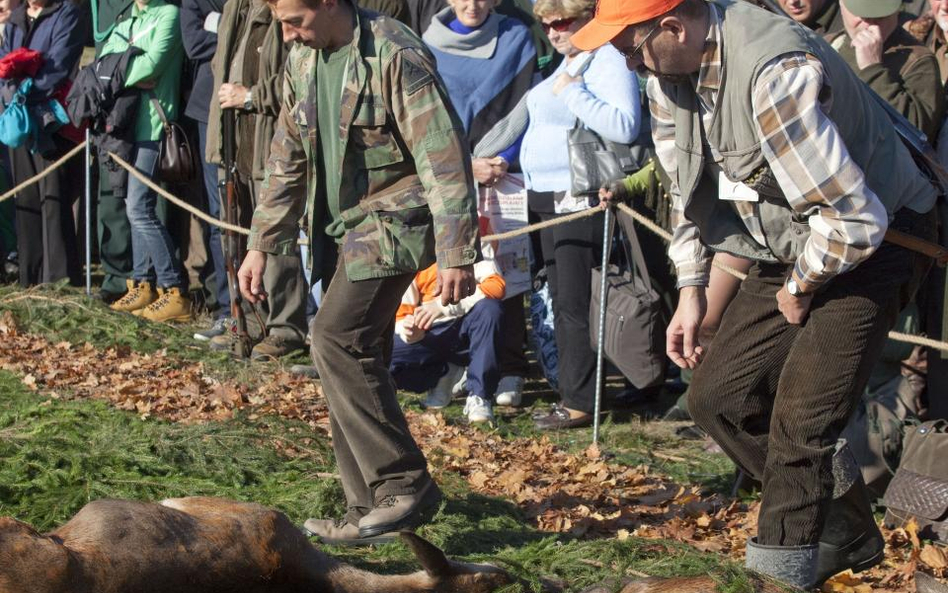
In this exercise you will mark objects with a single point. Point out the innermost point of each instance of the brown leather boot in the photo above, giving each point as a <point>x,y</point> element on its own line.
<point>171,305</point>
<point>139,296</point>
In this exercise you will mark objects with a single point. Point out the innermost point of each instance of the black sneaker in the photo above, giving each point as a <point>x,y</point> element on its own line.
<point>220,327</point>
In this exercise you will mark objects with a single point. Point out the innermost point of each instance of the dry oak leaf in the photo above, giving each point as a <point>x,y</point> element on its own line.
<point>934,557</point>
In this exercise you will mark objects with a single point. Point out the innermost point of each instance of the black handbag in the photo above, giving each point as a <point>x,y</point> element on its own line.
<point>634,331</point>
<point>919,489</point>
<point>594,162</point>
<point>175,157</point>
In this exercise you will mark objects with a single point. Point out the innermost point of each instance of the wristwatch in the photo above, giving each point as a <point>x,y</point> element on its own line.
<point>248,100</point>
<point>794,289</point>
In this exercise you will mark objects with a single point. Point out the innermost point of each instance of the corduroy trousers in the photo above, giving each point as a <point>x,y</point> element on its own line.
<point>776,396</point>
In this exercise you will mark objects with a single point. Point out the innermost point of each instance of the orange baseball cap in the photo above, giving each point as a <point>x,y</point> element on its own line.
<point>612,16</point>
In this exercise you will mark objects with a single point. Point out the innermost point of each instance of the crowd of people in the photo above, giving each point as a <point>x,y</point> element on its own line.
<point>385,132</point>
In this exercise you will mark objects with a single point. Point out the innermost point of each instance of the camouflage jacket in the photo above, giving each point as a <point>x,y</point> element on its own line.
<point>406,188</point>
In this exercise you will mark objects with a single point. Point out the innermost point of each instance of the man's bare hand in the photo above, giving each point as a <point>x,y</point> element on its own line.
<point>232,95</point>
<point>681,337</point>
<point>868,44</point>
<point>250,276</point>
<point>794,308</point>
<point>455,284</point>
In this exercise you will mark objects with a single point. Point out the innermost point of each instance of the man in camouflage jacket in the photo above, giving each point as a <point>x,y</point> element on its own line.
<point>386,182</point>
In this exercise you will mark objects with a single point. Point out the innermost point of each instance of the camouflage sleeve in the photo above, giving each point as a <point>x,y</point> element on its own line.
<point>282,199</point>
<point>434,137</point>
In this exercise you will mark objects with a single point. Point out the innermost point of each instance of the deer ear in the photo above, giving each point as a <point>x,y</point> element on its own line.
<point>432,559</point>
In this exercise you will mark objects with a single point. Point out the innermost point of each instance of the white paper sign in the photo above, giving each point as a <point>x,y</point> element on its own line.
<point>735,190</point>
<point>503,208</point>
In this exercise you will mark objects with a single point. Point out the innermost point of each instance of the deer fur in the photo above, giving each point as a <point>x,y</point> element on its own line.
<point>205,545</point>
<point>681,585</point>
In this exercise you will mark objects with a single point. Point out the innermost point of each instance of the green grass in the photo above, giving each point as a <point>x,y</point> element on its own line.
<point>57,455</point>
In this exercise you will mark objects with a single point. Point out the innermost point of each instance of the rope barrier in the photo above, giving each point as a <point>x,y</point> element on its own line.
<point>893,335</point>
<point>42,174</point>
<point>176,200</point>
<point>640,218</point>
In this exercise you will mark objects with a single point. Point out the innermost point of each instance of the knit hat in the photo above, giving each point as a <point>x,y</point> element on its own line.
<point>612,16</point>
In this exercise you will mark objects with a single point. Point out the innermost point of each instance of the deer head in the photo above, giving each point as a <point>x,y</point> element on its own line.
<point>32,563</point>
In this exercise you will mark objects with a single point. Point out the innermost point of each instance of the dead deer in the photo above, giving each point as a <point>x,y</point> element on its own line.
<point>205,545</point>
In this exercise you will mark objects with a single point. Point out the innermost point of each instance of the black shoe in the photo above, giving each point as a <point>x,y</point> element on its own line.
<point>107,296</point>
<point>850,539</point>
<point>401,512</point>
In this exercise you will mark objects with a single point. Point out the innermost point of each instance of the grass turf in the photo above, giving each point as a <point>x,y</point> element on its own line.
<point>57,455</point>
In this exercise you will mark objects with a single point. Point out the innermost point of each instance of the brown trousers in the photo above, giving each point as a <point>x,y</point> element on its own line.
<point>352,337</point>
<point>776,396</point>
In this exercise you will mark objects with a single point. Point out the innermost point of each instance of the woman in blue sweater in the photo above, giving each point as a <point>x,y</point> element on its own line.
<point>599,91</point>
<point>46,235</point>
<point>488,63</point>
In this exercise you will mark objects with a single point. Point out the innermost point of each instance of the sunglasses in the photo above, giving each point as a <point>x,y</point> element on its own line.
<point>630,55</point>
<point>559,25</point>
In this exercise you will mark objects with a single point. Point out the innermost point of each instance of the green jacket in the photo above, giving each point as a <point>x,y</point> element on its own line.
<point>156,30</point>
<point>266,89</point>
<point>406,190</point>
<point>907,78</point>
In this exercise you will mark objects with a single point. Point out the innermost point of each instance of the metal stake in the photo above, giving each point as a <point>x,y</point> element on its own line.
<point>601,339</point>
<point>88,213</point>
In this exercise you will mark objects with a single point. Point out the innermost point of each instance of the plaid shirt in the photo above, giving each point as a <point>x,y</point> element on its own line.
<point>807,155</point>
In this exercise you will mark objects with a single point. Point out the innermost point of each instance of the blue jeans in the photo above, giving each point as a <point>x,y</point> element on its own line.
<point>210,171</point>
<point>472,340</point>
<point>153,253</point>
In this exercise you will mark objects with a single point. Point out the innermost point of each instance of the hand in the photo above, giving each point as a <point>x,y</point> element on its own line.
<point>232,95</point>
<point>426,315</point>
<point>489,171</point>
<point>250,276</point>
<point>563,81</point>
<point>868,44</point>
<point>613,194</point>
<point>413,333</point>
<point>455,284</point>
<point>681,337</point>
<point>794,308</point>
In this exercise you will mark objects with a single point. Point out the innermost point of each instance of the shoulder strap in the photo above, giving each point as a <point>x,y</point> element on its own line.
<point>161,112</point>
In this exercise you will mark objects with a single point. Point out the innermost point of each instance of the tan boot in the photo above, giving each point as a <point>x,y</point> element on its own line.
<point>139,296</point>
<point>170,306</point>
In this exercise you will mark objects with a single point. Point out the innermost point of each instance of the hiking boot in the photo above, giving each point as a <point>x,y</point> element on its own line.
<point>273,347</point>
<point>223,342</point>
<point>220,327</point>
<point>139,295</point>
<point>440,395</point>
<point>509,391</point>
<point>477,410</point>
<point>850,538</point>
<point>305,370</point>
<point>170,306</point>
<point>792,565</point>
<point>339,532</point>
<point>401,512</point>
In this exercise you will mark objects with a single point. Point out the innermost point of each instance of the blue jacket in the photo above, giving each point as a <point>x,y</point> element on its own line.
<point>199,45</point>
<point>58,33</point>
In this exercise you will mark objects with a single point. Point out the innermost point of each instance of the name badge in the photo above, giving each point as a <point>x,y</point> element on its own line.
<point>735,191</point>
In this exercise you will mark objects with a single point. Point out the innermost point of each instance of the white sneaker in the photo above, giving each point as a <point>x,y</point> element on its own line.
<point>440,395</point>
<point>459,388</point>
<point>509,391</point>
<point>478,409</point>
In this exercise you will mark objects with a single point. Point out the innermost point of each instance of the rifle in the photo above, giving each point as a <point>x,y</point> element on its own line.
<point>231,242</point>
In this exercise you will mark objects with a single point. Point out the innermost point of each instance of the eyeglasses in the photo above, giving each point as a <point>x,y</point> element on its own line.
<point>630,55</point>
<point>559,25</point>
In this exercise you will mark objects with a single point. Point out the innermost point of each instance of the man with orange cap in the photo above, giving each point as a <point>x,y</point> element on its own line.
<point>778,153</point>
